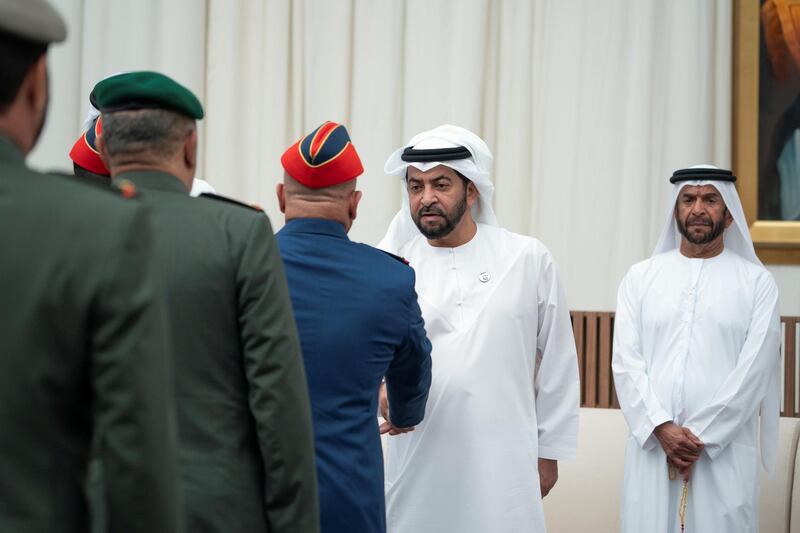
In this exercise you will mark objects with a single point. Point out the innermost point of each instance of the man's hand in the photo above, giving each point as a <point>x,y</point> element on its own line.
<point>681,445</point>
<point>548,475</point>
<point>391,429</point>
<point>383,401</point>
<point>685,473</point>
<point>383,406</point>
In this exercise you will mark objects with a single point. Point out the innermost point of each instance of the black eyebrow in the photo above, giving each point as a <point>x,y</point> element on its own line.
<point>409,179</point>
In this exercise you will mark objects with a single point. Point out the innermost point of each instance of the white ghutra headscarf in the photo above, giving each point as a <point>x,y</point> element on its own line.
<point>737,235</point>
<point>475,168</point>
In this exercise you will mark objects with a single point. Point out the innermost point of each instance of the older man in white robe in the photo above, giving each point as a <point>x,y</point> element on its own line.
<point>503,405</point>
<point>696,360</point>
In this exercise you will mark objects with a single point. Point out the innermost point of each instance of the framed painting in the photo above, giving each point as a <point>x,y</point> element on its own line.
<point>766,123</point>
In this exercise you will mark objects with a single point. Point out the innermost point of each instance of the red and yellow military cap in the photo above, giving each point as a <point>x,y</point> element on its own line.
<point>84,152</point>
<point>323,158</point>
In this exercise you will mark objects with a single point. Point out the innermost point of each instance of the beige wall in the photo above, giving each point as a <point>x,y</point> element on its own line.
<point>788,279</point>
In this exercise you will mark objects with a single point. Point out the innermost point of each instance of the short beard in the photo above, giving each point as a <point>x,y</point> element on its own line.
<point>450,220</point>
<point>717,227</point>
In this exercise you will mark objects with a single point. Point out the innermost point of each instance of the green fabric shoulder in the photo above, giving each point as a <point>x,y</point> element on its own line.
<point>274,367</point>
<point>80,298</point>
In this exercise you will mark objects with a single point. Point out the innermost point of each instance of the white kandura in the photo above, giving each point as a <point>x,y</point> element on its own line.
<point>505,388</point>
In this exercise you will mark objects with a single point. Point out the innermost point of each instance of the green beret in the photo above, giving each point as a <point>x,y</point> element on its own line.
<point>144,90</point>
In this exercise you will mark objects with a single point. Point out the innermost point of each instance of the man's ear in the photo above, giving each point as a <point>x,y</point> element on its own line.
<point>355,198</point>
<point>728,219</point>
<point>31,99</point>
<point>100,144</point>
<point>280,190</point>
<point>36,90</point>
<point>190,151</point>
<point>472,194</point>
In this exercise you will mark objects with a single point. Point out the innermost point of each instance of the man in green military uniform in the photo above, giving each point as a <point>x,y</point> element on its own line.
<point>244,421</point>
<point>83,340</point>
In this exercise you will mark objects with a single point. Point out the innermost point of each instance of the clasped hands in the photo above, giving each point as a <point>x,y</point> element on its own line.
<point>387,426</point>
<point>682,447</point>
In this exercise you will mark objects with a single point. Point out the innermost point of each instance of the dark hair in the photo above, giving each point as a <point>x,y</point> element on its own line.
<point>17,55</point>
<point>465,179</point>
<point>81,172</point>
<point>154,131</point>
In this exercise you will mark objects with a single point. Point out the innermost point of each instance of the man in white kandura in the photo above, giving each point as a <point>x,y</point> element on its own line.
<point>503,405</point>
<point>696,359</point>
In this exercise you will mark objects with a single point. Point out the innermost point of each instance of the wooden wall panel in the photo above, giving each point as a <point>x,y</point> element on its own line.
<point>594,338</point>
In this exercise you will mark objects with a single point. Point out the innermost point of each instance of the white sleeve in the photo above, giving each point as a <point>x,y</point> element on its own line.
<point>638,401</point>
<point>556,384</point>
<point>746,386</point>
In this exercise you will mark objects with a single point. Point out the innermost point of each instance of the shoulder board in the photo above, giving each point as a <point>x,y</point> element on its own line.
<point>396,257</point>
<point>125,188</point>
<point>212,196</point>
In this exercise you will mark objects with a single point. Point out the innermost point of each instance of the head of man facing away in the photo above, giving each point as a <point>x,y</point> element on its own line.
<point>86,160</point>
<point>149,123</point>
<point>26,30</point>
<point>319,179</point>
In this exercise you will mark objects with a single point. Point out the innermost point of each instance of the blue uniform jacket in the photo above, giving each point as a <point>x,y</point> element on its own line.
<point>359,320</point>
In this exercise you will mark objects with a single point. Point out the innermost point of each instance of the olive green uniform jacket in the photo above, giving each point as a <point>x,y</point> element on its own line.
<point>82,345</point>
<point>244,421</point>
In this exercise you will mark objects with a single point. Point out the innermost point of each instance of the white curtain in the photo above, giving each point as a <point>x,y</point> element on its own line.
<point>625,92</point>
<point>588,106</point>
<point>109,36</point>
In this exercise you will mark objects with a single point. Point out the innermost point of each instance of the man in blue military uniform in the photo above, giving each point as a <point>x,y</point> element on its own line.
<point>358,319</point>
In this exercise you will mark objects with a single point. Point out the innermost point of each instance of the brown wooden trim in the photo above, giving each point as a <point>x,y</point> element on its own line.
<point>789,366</point>
<point>577,331</point>
<point>778,256</point>
<point>745,103</point>
<point>604,369</point>
<point>591,360</point>
<point>594,340</point>
<point>614,399</point>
